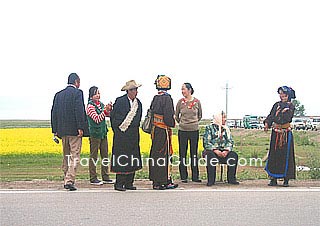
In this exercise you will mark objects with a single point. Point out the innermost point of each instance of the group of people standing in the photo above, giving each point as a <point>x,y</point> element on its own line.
<point>71,121</point>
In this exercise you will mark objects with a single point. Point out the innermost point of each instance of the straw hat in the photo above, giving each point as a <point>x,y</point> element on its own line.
<point>130,85</point>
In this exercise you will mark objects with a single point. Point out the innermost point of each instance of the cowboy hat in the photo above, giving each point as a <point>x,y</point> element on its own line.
<point>130,85</point>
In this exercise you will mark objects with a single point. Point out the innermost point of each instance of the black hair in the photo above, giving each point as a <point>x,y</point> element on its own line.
<point>92,91</point>
<point>72,78</point>
<point>189,87</point>
<point>289,91</point>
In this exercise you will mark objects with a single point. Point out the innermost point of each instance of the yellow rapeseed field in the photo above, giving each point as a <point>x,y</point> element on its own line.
<point>39,141</point>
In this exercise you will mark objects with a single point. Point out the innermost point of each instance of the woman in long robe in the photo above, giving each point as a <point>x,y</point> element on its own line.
<point>281,162</point>
<point>161,149</point>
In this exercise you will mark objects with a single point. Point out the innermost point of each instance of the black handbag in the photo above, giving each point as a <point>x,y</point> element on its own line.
<point>148,122</point>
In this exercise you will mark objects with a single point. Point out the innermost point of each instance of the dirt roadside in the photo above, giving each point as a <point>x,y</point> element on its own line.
<point>146,184</point>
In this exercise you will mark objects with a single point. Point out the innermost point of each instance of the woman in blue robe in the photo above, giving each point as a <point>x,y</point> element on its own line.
<point>281,162</point>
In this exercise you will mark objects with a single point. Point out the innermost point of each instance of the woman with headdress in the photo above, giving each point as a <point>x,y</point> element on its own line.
<point>218,145</point>
<point>281,162</point>
<point>161,149</point>
<point>188,114</point>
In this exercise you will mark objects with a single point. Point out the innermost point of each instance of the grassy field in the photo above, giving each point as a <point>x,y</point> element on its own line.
<point>4,124</point>
<point>27,152</point>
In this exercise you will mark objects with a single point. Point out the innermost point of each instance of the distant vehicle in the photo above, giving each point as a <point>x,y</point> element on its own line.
<point>231,123</point>
<point>315,124</point>
<point>303,168</point>
<point>250,122</point>
<point>239,123</point>
<point>260,125</point>
<point>298,124</point>
<point>307,123</point>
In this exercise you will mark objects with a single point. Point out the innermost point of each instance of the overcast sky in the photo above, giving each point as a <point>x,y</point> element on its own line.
<point>255,46</point>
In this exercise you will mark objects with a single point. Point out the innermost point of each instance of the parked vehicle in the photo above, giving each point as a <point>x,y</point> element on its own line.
<point>307,123</point>
<point>315,124</point>
<point>231,123</point>
<point>297,123</point>
<point>260,125</point>
<point>250,122</point>
<point>303,168</point>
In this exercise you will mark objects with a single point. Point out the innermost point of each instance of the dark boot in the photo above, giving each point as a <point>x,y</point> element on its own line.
<point>286,183</point>
<point>119,187</point>
<point>273,182</point>
<point>159,187</point>
<point>70,187</point>
<point>234,182</point>
<point>170,184</point>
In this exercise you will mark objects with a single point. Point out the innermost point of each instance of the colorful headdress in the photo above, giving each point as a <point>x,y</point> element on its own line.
<point>289,91</point>
<point>163,82</point>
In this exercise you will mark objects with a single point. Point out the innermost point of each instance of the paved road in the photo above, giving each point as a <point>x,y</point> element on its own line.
<point>147,207</point>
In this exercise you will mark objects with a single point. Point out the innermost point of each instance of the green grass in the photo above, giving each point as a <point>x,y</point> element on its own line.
<point>24,124</point>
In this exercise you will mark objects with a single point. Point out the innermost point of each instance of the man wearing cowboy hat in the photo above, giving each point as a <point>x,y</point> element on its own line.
<point>125,122</point>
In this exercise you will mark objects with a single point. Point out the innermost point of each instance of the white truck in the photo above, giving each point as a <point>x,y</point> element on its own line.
<point>315,124</point>
<point>298,124</point>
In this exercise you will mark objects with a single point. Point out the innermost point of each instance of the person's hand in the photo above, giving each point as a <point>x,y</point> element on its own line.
<point>108,107</point>
<point>266,127</point>
<point>80,133</point>
<point>225,153</point>
<point>218,153</point>
<point>55,139</point>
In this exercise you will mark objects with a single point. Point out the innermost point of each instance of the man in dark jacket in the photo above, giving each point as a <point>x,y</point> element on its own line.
<point>125,121</point>
<point>69,122</point>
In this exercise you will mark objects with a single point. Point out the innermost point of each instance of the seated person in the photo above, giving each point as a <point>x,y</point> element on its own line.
<point>218,143</point>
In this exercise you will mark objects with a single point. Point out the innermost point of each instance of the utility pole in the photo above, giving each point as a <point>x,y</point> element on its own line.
<point>227,98</point>
<point>227,93</point>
